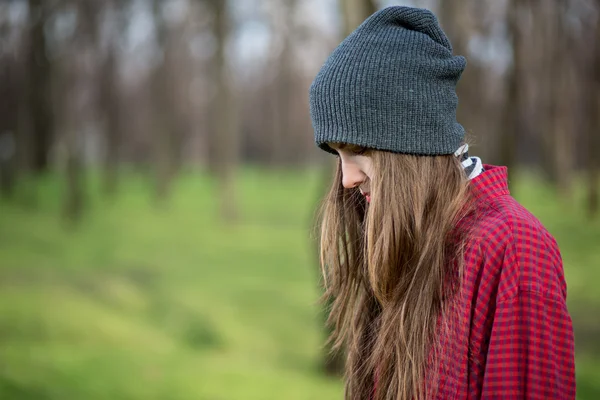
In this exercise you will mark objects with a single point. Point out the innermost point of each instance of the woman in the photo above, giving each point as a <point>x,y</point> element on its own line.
<point>442,285</point>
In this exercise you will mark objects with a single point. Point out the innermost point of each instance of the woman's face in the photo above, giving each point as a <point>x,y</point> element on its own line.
<point>357,167</point>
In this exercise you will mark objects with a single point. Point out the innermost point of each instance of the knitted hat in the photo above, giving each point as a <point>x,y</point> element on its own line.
<point>390,85</point>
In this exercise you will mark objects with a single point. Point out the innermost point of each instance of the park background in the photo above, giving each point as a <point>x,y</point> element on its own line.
<point>159,184</point>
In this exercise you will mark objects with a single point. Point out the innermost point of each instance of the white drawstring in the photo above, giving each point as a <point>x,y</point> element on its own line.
<point>472,165</point>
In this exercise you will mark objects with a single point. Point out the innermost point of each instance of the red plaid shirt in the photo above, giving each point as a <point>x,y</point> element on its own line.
<point>514,336</point>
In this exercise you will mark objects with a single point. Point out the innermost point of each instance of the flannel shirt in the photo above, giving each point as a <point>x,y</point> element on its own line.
<point>513,335</point>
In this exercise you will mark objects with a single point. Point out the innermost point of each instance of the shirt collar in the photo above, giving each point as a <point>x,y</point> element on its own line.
<point>493,182</point>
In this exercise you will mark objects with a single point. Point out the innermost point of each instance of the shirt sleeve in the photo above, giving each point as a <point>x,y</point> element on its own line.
<point>531,350</point>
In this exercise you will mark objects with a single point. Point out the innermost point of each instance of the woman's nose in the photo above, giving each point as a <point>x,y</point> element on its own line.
<point>352,176</point>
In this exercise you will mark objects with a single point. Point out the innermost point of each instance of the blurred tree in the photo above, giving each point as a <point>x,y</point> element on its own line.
<point>110,106</point>
<point>162,129</point>
<point>354,12</point>
<point>109,102</point>
<point>39,96</point>
<point>9,95</point>
<point>514,103</point>
<point>560,118</point>
<point>555,66</point>
<point>212,72</point>
<point>282,86</point>
<point>226,123</point>
<point>462,20</point>
<point>592,93</point>
<point>75,74</point>
<point>168,99</point>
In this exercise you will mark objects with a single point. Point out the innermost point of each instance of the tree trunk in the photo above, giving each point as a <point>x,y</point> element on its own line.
<point>77,108</point>
<point>26,191</point>
<point>562,98</point>
<point>549,104</point>
<point>280,111</point>
<point>170,122</point>
<point>593,130</point>
<point>226,128</point>
<point>514,97</point>
<point>458,21</point>
<point>109,102</point>
<point>7,164</point>
<point>163,129</point>
<point>354,12</point>
<point>39,89</point>
<point>9,93</point>
<point>72,126</point>
<point>74,196</point>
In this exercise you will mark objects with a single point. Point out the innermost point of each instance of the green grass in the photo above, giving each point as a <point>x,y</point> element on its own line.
<point>147,302</point>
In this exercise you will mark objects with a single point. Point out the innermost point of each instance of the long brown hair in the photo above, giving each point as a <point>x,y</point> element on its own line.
<point>389,268</point>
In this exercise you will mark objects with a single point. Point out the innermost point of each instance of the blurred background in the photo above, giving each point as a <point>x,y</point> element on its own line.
<point>159,184</point>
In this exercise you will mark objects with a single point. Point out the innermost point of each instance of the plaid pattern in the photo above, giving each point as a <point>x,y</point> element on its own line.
<point>511,336</point>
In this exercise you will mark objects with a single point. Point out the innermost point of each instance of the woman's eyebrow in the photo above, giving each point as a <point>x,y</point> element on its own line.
<point>354,147</point>
<point>346,146</point>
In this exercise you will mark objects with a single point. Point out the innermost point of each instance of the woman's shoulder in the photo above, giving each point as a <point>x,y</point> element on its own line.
<point>512,244</point>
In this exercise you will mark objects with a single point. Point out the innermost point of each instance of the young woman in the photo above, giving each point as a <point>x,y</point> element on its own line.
<point>443,286</point>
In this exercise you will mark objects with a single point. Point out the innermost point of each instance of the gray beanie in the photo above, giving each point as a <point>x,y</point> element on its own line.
<point>390,85</point>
